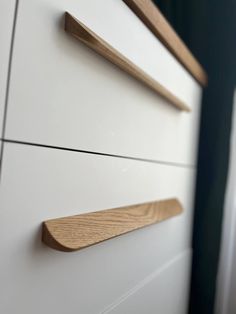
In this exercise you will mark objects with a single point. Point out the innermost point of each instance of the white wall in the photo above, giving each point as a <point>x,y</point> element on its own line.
<point>226,285</point>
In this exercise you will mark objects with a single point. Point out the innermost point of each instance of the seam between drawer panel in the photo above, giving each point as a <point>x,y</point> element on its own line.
<point>145,281</point>
<point>167,163</point>
<point>8,78</point>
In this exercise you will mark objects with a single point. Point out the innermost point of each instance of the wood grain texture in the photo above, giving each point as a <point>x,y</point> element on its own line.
<point>88,37</point>
<point>155,21</point>
<point>77,232</point>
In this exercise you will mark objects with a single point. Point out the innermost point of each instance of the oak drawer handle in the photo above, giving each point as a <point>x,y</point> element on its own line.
<point>89,38</point>
<point>150,15</point>
<point>76,232</point>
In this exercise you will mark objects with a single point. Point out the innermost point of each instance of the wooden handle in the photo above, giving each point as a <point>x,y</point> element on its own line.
<point>77,232</point>
<point>147,11</point>
<point>88,37</point>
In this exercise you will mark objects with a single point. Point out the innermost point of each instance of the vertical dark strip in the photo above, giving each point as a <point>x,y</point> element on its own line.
<point>209,30</point>
<point>219,57</point>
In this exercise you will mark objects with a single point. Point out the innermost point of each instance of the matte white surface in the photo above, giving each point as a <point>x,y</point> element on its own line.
<point>39,183</point>
<point>7,8</point>
<point>64,94</point>
<point>232,300</point>
<point>165,291</point>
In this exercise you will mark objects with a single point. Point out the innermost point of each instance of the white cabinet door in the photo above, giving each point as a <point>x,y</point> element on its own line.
<point>64,94</point>
<point>40,183</point>
<point>165,291</point>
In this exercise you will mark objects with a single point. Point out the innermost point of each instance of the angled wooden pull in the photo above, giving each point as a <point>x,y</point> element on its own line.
<point>150,15</point>
<point>89,38</point>
<point>77,232</point>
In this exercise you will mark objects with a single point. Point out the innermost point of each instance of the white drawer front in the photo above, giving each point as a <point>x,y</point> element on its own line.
<point>165,291</point>
<point>7,8</point>
<point>39,183</point>
<point>64,94</point>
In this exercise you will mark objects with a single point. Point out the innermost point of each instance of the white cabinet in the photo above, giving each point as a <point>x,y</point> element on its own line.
<point>83,136</point>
